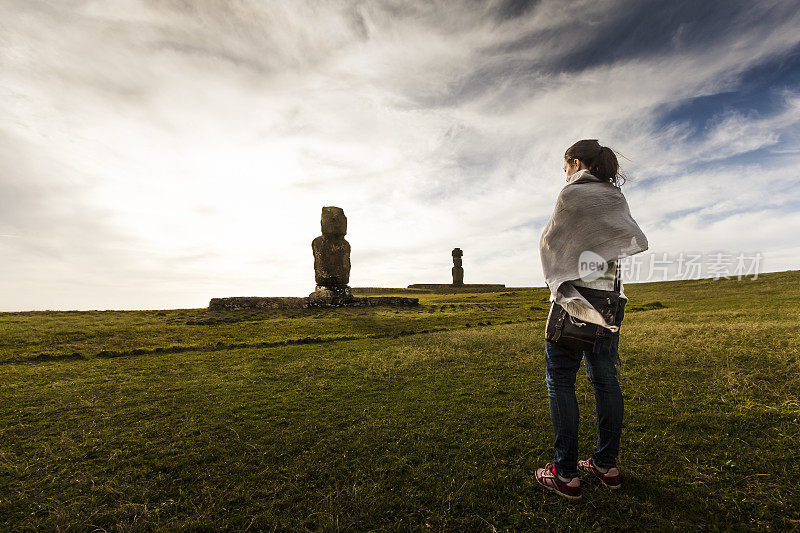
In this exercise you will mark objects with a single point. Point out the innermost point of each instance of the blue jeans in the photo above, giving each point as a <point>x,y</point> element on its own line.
<point>561,367</point>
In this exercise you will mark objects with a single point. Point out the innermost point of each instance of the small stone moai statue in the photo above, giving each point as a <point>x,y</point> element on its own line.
<point>458,270</point>
<point>332,259</point>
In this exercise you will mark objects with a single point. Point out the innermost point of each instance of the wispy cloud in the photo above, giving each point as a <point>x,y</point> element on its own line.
<point>159,153</point>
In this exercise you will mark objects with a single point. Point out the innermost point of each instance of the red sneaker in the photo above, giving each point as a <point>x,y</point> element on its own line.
<point>611,479</point>
<point>548,478</point>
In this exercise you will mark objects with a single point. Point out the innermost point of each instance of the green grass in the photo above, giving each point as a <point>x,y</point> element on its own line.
<point>395,419</point>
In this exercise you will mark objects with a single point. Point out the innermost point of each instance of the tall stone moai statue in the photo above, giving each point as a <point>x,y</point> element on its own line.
<point>458,270</point>
<point>332,259</point>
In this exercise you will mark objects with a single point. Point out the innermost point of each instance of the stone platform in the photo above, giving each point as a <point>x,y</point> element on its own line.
<point>257,302</point>
<point>466,287</point>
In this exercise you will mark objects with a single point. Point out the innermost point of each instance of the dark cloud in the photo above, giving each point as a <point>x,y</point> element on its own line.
<point>761,90</point>
<point>516,66</point>
<point>639,29</point>
<point>510,9</point>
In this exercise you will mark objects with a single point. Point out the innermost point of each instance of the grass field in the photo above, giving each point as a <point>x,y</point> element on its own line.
<point>393,419</point>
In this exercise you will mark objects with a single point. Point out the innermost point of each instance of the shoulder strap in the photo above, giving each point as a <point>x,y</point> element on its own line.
<point>616,278</point>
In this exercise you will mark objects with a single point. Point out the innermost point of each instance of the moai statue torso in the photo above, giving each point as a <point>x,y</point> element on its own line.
<point>332,256</point>
<point>458,270</point>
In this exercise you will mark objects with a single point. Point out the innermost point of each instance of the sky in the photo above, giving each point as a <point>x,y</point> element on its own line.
<point>156,154</point>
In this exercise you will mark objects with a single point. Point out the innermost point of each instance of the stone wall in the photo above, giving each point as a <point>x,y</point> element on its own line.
<point>467,287</point>
<point>257,302</point>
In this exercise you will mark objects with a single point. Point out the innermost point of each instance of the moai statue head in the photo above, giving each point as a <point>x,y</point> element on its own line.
<point>457,254</point>
<point>334,223</point>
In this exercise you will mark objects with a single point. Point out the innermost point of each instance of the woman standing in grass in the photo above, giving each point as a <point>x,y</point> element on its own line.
<point>591,220</point>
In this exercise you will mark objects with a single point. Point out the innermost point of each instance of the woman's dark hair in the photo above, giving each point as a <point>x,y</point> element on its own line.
<point>600,160</point>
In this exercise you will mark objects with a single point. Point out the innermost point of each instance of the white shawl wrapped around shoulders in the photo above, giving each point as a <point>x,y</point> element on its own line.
<point>590,215</point>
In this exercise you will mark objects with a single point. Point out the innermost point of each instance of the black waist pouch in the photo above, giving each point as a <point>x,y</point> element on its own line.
<point>573,334</point>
